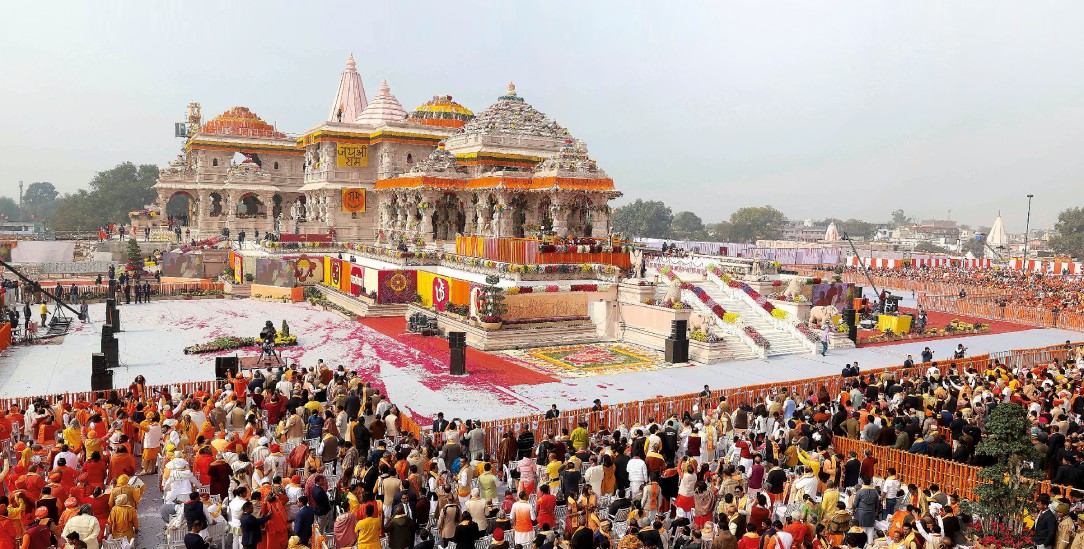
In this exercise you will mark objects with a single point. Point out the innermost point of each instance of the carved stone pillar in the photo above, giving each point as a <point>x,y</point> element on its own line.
<point>559,212</point>
<point>533,216</point>
<point>600,227</point>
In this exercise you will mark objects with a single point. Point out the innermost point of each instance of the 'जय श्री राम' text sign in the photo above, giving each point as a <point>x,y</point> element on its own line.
<point>351,156</point>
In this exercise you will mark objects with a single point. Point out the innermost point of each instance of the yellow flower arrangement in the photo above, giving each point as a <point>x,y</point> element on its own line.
<point>730,318</point>
<point>779,313</point>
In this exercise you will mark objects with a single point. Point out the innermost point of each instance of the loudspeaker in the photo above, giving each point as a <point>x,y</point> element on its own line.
<point>98,364</point>
<point>110,306</point>
<point>677,350</point>
<point>107,331</point>
<point>115,321</point>
<point>678,329</point>
<point>457,340</point>
<point>225,365</point>
<point>458,361</point>
<point>849,315</point>
<point>102,381</point>
<point>111,350</point>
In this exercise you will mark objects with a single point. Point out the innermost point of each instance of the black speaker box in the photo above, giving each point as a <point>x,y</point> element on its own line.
<point>98,364</point>
<point>677,350</point>
<point>107,331</point>
<point>678,329</point>
<point>457,340</point>
<point>111,350</point>
<point>115,320</point>
<point>102,381</point>
<point>225,365</point>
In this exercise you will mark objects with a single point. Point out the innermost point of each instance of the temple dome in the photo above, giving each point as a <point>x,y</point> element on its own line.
<point>440,161</point>
<point>441,111</point>
<point>242,122</point>
<point>383,108</point>
<point>512,115</point>
<point>350,97</point>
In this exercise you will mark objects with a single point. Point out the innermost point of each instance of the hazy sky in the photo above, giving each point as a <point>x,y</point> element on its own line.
<point>844,109</point>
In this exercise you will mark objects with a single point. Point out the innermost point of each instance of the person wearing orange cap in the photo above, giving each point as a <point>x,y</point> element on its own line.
<point>39,535</point>
<point>71,508</point>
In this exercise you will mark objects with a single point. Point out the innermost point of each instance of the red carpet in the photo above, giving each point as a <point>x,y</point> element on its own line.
<point>480,365</point>
<point>940,320</point>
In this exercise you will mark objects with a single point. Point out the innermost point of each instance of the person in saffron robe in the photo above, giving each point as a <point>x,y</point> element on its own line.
<point>123,519</point>
<point>277,532</point>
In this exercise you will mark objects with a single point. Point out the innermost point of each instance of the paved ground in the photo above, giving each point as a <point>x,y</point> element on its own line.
<point>151,527</point>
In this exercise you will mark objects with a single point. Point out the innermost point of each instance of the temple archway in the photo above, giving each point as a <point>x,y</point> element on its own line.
<point>276,205</point>
<point>250,205</point>
<point>181,205</point>
<point>216,204</point>
<point>545,216</point>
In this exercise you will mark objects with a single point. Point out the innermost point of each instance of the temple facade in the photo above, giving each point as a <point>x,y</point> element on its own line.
<point>374,172</point>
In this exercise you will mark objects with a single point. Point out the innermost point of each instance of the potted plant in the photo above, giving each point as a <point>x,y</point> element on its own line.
<point>491,307</point>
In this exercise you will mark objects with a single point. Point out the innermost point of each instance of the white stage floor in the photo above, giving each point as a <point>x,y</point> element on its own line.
<point>155,335</point>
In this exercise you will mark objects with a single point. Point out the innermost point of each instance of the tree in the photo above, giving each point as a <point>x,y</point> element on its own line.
<point>686,225</point>
<point>644,219</point>
<point>974,246</point>
<point>135,259</point>
<point>930,248</point>
<point>39,200</point>
<point>9,210</point>
<point>900,218</point>
<point>719,232</point>
<point>1010,481</point>
<point>1069,233</point>
<point>113,193</point>
<point>856,228</point>
<point>752,223</point>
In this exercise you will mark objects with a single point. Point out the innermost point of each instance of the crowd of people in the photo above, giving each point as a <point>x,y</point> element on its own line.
<point>1044,290</point>
<point>295,457</point>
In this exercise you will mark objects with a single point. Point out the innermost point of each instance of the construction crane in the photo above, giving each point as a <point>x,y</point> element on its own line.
<point>59,301</point>
<point>865,270</point>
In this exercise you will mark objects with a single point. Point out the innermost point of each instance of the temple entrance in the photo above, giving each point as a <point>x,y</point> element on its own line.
<point>579,217</point>
<point>519,215</point>
<point>180,207</point>
<point>545,216</point>
<point>448,217</point>
<point>298,209</point>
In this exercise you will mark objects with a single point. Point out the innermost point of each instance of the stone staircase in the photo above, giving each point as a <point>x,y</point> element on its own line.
<point>782,342</point>
<point>737,347</point>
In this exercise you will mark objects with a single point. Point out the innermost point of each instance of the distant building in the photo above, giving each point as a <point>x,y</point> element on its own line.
<point>26,230</point>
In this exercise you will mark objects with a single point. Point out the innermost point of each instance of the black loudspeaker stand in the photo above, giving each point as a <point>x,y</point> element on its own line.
<point>852,323</point>
<point>457,350</point>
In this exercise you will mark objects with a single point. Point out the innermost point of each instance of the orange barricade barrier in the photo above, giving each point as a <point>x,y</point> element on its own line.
<point>5,335</point>
<point>976,306</point>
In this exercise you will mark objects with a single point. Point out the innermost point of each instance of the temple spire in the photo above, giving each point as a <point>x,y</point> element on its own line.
<point>350,98</point>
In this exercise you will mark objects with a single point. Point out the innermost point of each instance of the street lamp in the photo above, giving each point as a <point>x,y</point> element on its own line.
<point>1027,227</point>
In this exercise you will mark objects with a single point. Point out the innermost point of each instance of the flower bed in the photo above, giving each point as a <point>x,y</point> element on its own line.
<point>809,334</point>
<point>550,288</point>
<point>703,336</point>
<point>228,343</point>
<point>758,338</point>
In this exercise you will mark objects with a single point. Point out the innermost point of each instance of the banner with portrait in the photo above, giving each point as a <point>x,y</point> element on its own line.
<point>275,272</point>
<point>840,294</point>
<point>308,269</point>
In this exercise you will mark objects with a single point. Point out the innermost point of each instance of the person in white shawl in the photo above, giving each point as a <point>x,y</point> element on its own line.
<point>181,483</point>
